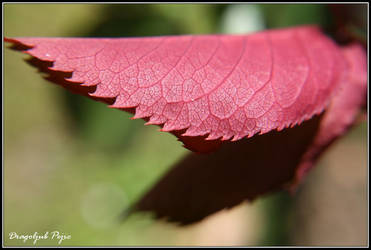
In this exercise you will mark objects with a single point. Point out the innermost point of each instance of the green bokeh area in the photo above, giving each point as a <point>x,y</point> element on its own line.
<point>73,165</point>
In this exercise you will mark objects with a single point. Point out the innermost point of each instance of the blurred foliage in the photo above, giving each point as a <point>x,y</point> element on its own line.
<point>284,15</point>
<point>72,164</point>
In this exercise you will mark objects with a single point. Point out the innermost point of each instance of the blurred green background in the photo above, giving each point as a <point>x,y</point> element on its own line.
<point>72,164</point>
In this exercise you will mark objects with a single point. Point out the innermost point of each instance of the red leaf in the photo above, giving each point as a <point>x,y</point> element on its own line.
<point>204,88</point>
<point>200,185</point>
<point>201,87</point>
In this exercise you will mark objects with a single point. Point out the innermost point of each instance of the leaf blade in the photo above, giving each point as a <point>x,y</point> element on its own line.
<point>216,87</point>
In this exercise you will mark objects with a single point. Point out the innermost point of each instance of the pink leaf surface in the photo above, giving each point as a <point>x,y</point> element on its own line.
<point>201,88</point>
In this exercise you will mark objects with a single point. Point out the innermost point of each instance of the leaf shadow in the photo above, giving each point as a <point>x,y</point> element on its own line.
<point>202,184</point>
